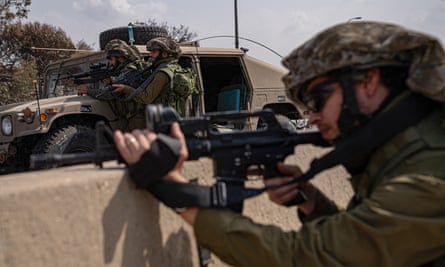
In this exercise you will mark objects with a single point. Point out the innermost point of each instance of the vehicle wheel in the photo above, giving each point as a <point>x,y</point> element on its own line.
<point>67,139</point>
<point>141,34</point>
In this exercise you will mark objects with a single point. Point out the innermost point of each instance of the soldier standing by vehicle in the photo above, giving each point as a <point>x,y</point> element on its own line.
<point>161,87</point>
<point>122,58</point>
<point>377,92</point>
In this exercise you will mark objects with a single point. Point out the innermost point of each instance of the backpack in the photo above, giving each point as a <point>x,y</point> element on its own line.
<point>182,85</point>
<point>183,82</point>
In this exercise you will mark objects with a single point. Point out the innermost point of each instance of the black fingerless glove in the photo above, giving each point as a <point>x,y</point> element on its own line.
<point>157,162</point>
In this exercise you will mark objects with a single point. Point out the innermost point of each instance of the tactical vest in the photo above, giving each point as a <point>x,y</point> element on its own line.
<point>182,85</point>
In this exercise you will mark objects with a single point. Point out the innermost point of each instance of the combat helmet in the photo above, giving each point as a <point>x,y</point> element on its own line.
<point>164,44</point>
<point>361,45</point>
<point>117,47</point>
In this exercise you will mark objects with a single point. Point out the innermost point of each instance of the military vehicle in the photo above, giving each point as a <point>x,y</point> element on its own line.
<point>61,121</point>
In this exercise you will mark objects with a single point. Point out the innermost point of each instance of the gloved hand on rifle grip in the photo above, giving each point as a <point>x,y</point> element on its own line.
<point>151,156</point>
<point>155,163</point>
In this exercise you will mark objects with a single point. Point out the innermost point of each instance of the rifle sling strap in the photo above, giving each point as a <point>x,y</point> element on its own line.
<point>150,78</point>
<point>220,194</point>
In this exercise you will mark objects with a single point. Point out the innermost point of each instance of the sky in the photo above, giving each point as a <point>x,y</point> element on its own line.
<point>280,25</point>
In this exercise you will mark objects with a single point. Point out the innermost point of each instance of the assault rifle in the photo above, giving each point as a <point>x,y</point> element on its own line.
<point>225,137</point>
<point>98,72</point>
<point>228,139</point>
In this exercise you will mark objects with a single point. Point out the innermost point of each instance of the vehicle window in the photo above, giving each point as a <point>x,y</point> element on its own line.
<point>59,83</point>
<point>225,84</point>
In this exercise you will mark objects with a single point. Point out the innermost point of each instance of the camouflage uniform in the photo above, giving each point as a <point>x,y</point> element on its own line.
<point>128,110</point>
<point>160,89</point>
<point>397,216</point>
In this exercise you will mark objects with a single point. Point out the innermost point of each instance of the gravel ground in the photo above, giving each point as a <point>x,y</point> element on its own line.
<point>332,182</point>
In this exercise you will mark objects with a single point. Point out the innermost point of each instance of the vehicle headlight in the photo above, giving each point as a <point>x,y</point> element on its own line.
<point>7,125</point>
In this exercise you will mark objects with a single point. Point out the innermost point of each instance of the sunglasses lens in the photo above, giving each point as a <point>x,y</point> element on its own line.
<point>318,96</point>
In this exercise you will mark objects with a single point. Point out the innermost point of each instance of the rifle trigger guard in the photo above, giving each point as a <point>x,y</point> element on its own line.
<point>218,194</point>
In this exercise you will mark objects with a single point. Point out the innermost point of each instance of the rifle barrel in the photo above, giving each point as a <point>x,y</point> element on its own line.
<point>41,160</point>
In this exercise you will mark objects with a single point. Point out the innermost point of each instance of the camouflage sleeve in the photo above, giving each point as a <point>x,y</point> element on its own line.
<point>387,229</point>
<point>152,91</point>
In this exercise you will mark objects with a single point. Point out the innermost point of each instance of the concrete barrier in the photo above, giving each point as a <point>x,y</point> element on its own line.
<point>81,216</point>
<point>85,216</point>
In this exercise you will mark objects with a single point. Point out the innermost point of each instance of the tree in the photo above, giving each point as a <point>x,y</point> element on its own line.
<point>82,45</point>
<point>13,10</point>
<point>29,44</point>
<point>179,33</point>
<point>22,80</point>
<point>33,41</point>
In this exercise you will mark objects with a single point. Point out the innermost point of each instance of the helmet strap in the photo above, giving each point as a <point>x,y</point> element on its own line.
<point>350,116</point>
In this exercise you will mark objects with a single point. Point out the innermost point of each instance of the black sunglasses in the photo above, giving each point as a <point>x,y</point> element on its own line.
<point>316,98</point>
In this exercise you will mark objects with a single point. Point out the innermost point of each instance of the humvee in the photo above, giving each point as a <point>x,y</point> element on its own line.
<point>61,121</point>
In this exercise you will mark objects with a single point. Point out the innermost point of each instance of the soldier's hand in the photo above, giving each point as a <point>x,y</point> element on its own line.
<point>106,81</point>
<point>118,88</point>
<point>82,89</point>
<point>132,145</point>
<point>284,191</point>
<point>176,173</point>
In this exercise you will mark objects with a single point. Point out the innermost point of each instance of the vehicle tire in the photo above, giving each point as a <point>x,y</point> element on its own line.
<point>71,138</point>
<point>141,34</point>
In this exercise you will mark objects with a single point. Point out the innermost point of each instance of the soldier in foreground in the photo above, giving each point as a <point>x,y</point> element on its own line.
<point>377,86</point>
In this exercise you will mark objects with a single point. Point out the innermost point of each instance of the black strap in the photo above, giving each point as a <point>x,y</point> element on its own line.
<point>222,194</point>
<point>147,82</point>
<point>157,162</point>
